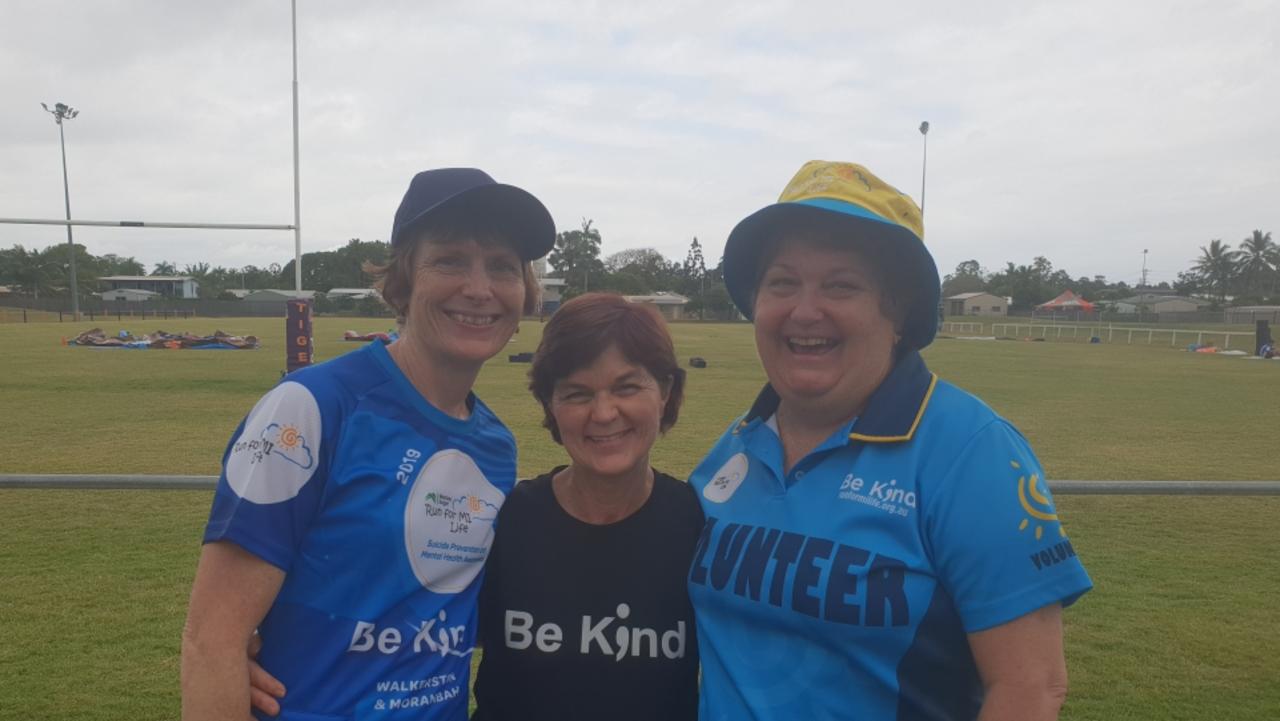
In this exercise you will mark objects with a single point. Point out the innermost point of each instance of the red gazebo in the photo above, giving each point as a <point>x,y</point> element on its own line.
<point>1066,303</point>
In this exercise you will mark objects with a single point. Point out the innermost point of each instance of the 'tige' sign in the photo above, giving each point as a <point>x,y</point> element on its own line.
<point>297,335</point>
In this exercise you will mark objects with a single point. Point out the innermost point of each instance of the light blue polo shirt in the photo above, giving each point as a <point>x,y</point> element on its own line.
<point>379,508</point>
<point>845,588</point>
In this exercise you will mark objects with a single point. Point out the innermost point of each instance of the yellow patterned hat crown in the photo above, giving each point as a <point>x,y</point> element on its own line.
<point>853,183</point>
<point>867,210</point>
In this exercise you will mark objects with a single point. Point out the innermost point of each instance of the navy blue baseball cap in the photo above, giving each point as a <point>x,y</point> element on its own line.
<point>469,192</point>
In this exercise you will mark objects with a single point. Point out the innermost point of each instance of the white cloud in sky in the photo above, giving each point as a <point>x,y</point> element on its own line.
<point>1083,131</point>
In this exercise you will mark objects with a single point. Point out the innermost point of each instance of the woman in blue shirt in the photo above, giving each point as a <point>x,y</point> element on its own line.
<point>357,499</point>
<point>879,544</point>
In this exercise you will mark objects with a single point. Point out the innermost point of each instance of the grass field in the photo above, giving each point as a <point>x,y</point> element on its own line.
<point>1182,623</point>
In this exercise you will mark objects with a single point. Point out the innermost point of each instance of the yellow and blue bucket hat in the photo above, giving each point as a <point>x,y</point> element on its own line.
<point>865,209</point>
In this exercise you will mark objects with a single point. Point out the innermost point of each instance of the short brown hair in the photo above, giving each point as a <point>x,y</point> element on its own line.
<point>394,279</point>
<point>584,328</point>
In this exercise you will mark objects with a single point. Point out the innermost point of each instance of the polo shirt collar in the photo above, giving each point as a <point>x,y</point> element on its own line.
<point>893,412</point>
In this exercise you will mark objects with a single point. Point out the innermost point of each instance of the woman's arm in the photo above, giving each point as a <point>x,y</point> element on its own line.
<point>232,592</point>
<point>1022,667</point>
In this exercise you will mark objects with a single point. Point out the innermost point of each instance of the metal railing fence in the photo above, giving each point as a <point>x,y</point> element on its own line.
<point>1109,334</point>
<point>1062,488</point>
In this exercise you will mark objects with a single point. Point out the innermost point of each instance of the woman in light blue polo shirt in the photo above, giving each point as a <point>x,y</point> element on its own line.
<point>879,544</point>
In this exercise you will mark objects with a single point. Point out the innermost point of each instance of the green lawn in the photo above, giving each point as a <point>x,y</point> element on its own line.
<point>1182,624</point>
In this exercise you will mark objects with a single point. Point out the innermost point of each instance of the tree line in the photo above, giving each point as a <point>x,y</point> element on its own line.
<point>44,273</point>
<point>1247,274</point>
<point>639,271</point>
<point>576,258</point>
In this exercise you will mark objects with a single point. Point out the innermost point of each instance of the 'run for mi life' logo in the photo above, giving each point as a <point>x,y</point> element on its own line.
<point>278,448</point>
<point>448,521</point>
<point>460,512</point>
<point>280,440</point>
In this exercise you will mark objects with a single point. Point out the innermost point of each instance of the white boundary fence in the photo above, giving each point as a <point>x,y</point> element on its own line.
<point>1110,334</point>
<point>1064,488</point>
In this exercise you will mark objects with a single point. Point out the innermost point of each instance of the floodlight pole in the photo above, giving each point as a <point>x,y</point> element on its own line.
<point>62,112</point>
<point>1144,268</point>
<point>924,166</point>
<point>297,203</point>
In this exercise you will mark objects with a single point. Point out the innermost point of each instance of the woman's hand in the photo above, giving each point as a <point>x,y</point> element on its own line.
<point>1022,667</point>
<point>264,689</point>
<point>232,592</point>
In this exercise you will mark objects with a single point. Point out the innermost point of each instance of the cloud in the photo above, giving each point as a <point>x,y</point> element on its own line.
<point>1084,132</point>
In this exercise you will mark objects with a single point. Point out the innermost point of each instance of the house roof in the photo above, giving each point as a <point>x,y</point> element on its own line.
<point>967,296</point>
<point>129,291</point>
<point>281,293</point>
<point>1152,300</point>
<point>659,298</point>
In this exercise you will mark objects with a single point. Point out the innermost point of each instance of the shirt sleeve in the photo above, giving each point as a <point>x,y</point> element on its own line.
<point>272,477</point>
<point>997,542</point>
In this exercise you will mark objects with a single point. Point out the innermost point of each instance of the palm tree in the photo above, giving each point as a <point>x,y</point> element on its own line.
<point>200,272</point>
<point>1219,266</point>
<point>1258,262</point>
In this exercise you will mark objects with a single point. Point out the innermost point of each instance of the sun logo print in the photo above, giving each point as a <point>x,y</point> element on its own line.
<point>1038,507</point>
<point>478,508</point>
<point>289,444</point>
<point>289,438</point>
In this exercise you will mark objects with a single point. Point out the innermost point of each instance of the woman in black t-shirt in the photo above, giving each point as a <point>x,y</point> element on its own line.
<point>584,612</point>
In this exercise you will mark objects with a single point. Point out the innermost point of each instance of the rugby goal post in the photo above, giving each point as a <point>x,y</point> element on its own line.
<point>147,224</point>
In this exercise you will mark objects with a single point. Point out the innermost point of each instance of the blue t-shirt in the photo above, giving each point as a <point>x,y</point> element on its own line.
<point>379,508</point>
<point>844,589</point>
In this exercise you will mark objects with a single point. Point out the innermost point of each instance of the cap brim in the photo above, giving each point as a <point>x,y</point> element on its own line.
<point>523,217</point>
<point>746,243</point>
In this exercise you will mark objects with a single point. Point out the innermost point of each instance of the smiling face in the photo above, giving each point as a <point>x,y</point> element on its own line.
<point>821,333</point>
<point>608,414</point>
<point>466,300</point>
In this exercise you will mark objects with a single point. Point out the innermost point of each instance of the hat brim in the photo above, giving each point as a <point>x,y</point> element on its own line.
<point>747,241</point>
<point>524,218</point>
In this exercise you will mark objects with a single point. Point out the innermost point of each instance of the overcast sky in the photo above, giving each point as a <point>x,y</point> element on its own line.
<point>1083,131</point>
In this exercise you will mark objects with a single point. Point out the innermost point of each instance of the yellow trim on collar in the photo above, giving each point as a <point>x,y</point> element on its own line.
<point>933,382</point>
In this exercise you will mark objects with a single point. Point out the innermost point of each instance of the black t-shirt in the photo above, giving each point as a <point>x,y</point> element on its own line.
<point>583,621</point>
